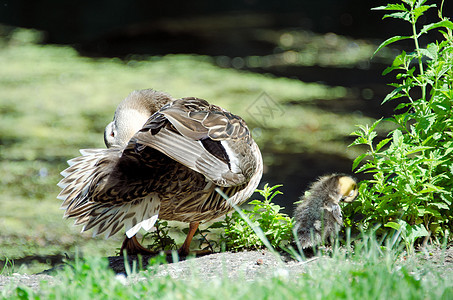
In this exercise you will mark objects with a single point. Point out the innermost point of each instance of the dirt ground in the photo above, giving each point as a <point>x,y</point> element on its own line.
<point>249,264</point>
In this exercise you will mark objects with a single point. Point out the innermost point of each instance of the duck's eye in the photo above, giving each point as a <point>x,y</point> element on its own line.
<point>112,134</point>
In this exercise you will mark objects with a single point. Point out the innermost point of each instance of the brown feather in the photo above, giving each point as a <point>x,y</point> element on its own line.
<point>170,167</point>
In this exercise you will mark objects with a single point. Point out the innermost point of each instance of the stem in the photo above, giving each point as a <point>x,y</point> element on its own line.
<point>441,8</point>
<point>419,55</point>
<point>206,240</point>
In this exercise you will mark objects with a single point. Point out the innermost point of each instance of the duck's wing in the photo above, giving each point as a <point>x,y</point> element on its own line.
<point>205,138</point>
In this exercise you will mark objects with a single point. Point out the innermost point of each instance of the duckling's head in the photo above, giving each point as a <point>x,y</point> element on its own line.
<point>131,114</point>
<point>347,188</point>
<point>336,188</point>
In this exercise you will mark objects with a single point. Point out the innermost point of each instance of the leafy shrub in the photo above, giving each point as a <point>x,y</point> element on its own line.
<point>276,226</point>
<point>411,185</point>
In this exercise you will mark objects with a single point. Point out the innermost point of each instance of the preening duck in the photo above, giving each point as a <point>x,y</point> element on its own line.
<point>165,159</point>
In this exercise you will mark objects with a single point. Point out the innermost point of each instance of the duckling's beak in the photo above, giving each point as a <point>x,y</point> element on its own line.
<point>350,197</point>
<point>347,188</point>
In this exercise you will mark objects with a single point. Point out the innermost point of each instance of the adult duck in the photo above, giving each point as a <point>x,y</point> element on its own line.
<point>165,159</point>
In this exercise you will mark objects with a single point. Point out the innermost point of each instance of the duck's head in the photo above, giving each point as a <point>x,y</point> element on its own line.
<point>131,114</point>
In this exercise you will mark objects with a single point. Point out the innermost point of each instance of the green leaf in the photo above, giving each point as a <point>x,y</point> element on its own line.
<point>375,124</point>
<point>406,16</point>
<point>389,69</point>
<point>390,41</point>
<point>393,94</point>
<point>418,231</point>
<point>359,141</point>
<point>372,135</point>
<point>402,105</point>
<point>255,202</point>
<point>366,167</point>
<point>358,160</point>
<point>397,136</point>
<point>382,143</point>
<point>440,205</point>
<point>430,54</point>
<point>275,194</point>
<point>429,189</point>
<point>418,149</point>
<point>411,3</point>
<point>393,225</point>
<point>420,10</point>
<point>400,59</point>
<point>433,212</point>
<point>22,293</point>
<point>396,7</point>
<point>443,24</point>
<point>357,132</point>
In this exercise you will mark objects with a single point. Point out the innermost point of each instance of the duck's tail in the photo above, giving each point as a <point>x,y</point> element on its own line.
<point>84,179</point>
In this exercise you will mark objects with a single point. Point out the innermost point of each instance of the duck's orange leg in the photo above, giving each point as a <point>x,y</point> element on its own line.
<point>133,247</point>
<point>184,250</point>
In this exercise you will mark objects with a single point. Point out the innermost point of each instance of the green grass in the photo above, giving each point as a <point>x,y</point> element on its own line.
<point>367,273</point>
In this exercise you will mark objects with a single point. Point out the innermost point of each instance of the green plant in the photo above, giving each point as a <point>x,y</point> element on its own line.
<point>412,168</point>
<point>275,225</point>
<point>408,233</point>
<point>203,242</point>
<point>161,240</point>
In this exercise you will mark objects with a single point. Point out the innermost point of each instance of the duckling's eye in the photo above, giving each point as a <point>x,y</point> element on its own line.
<point>112,134</point>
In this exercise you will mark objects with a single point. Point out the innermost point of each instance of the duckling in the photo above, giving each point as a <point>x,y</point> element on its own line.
<point>165,159</point>
<point>318,216</point>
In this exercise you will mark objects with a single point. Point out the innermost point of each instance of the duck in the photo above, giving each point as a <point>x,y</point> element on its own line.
<point>165,159</point>
<point>318,215</point>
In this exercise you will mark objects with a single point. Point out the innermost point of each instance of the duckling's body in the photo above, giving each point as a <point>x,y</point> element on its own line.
<point>167,167</point>
<point>319,216</point>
